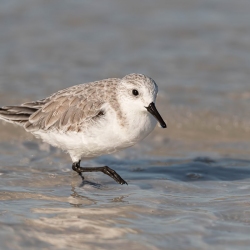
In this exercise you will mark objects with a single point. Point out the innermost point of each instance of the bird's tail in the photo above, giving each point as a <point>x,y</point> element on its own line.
<point>16,114</point>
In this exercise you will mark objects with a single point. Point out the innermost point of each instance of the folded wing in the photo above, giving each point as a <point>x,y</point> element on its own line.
<point>67,110</point>
<point>65,113</point>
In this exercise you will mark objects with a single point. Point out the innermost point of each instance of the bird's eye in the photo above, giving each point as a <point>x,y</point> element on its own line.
<point>135,92</point>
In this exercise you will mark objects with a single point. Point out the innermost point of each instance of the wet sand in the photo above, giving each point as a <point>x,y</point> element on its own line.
<point>188,185</point>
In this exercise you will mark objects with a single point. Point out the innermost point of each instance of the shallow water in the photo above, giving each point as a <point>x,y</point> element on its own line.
<point>188,184</point>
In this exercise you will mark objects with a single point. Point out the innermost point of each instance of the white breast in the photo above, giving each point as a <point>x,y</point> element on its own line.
<point>104,137</point>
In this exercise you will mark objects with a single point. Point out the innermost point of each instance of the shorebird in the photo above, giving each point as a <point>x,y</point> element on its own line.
<point>92,119</point>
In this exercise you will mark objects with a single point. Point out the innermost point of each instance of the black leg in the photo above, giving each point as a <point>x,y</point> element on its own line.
<point>76,166</point>
<point>106,170</point>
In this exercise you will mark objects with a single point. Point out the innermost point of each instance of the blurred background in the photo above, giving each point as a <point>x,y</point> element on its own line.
<point>198,52</point>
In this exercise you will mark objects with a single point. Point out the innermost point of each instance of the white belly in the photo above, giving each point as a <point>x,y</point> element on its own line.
<point>103,138</point>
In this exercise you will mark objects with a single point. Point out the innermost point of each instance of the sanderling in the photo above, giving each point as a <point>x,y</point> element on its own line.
<point>92,119</point>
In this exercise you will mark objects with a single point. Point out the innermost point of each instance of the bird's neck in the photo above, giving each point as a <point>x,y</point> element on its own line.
<point>137,123</point>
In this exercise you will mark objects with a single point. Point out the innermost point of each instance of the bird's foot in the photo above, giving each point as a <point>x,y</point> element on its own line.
<point>106,170</point>
<point>110,172</point>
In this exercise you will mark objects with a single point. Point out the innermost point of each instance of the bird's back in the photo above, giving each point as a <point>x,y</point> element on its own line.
<point>65,110</point>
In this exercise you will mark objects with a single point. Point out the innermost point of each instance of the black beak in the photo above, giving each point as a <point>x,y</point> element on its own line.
<point>152,110</point>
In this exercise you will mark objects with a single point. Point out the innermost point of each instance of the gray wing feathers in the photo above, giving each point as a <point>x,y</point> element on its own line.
<point>69,109</point>
<point>64,113</point>
<point>16,114</point>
